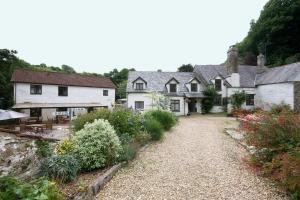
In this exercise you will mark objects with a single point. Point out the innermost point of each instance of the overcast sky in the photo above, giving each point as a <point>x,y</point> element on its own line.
<point>98,35</point>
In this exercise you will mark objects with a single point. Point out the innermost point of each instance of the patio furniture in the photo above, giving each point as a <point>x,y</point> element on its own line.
<point>37,128</point>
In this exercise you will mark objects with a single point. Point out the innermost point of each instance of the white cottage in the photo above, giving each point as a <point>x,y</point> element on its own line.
<point>51,94</point>
<point>264,87</point>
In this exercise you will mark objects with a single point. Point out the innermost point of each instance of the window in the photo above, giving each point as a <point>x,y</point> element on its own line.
<point>194,87</point>
<point>173,88</point>
<point>218,100</point>
<point>250,99</point>
<point>105,92</point>
<point>35,112</point>
<point>139,105</point>
<point>62,109</point>
<point>175,105</point>
<point>62,91</point>
<point>139,86</point>
<point>35,89</point>
<point>218,84</point>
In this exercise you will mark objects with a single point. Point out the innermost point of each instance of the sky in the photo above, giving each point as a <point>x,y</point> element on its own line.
<point>100,35</point>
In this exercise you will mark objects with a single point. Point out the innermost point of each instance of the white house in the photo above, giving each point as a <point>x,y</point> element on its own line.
<point>264,87</point>
<point>50,94</point>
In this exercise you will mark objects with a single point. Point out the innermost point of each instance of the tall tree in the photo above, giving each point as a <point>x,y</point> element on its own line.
<point>276,33</point>
<point>186,68</point>
<point>68,69</point>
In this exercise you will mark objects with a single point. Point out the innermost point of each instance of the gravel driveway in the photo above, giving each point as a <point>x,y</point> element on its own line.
<point>196,160</point>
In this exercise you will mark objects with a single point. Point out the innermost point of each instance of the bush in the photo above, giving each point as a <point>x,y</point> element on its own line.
<point>208,102</point>
<point>61,167</point>
<point>278,109</point>
<point>165,118</point>
<point>43,148</point>
<point>143,137</point>
<point>81,120</point>
<point>11,189</point>
<point>239,112</point>
<point>237,99</point>
<point>66,146</point>
<point>153,127</point>
<point>96,145</point>
<point>128,153</point>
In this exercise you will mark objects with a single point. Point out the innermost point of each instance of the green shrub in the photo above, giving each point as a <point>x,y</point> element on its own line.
<point>153,127</point>
<point>43,148</point>
<point>237,99</point>
<point>63,168</point>
<point>96,145</point>
<point>128,153</point>
<point>278,109</point>
<point>66,146</point>
<point>11,189</point>
<point>81,120</point>
<point>165,118</point>
<point>208,101</point>
<point>143,137</point>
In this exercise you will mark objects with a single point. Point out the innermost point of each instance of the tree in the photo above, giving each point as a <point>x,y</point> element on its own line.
<point>159,101</point>
<point>208,101</point>
<point>121,90</point>
<point>68,69</point>
<point>237,99</point>
<point>186,68</point>
<point>276,33</point>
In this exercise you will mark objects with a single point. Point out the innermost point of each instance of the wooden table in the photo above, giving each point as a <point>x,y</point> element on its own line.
<point>37,127</point>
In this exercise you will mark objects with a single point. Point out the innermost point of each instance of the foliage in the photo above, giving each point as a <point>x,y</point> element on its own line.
<point>118,77</point>
<point>65,147</point>
<point>276,31</point>
<point>43,148</point>
<point>143,137</point>
<point>11,189</point>
<point>237,99</point>
<point>128,153</point>
<point>63,168</point>
<point>208,101</point>
<point>68,69</point>
<point>96,145</point>
<point>121,90</point>
<point>239,112</point>
<point>165,118</point>
<point>159,101</point>
<point>81,120</point>
<point>123,120</point>
<point>277,109</point>
<point>154,127</point>
<point>276,137</point>
<point>186,68</point>
<point>225,104</point>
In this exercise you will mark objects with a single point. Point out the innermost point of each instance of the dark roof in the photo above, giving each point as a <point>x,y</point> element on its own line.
<point>58,78</point>
<point>208,72</point>
<point>286,73</point>
<point>156,81</point>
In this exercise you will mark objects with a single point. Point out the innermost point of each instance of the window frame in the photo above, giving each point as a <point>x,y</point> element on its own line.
<point>219,86</point>
<point>33,86</point>
<point>250,101</point>
<point>195,84</point>
<point>218,100</point>
<point>61,95</point>
<point>105,93</point>
<point>173,104</point>
<point>139,86</point>
<point>140,108</point>
<point>175,87</point>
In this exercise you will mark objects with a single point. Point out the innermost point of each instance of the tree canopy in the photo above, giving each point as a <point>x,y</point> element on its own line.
<point>186,68</point>
<point>276,33</point>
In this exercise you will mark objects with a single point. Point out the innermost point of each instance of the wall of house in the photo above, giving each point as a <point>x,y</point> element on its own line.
<point>183,106</point>
<point>200,86</point>
<point>274,94</point>
<point>223,92</point>
<point>75,95</point>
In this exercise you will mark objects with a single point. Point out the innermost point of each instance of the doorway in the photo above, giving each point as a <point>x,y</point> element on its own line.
<point>192,105</point>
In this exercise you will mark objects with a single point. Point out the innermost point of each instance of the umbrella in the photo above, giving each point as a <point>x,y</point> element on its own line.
<point>9,114</point>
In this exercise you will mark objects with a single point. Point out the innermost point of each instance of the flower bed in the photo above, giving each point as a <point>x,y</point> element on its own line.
<point>276,137</point>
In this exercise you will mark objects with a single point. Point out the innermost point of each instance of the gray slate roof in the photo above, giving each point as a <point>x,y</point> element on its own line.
<point>156,81</point>
<point>208,72</point>
<point>286,73</point>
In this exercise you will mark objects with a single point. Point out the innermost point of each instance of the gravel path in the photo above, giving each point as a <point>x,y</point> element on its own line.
<point>195,161</point>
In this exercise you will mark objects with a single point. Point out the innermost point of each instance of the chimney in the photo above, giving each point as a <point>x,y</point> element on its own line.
<point>261,60</point>
<point>232,60</point>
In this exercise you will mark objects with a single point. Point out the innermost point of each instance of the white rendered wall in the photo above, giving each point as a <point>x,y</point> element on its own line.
<point>75,95</point>
<point>274,94</point>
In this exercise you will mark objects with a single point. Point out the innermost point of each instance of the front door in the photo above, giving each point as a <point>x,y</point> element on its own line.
<point>193,105</point>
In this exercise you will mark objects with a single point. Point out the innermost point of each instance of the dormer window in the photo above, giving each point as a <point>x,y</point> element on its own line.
<point>139,86</point>
<point>194,87</point>
<point>218,84</point>
<point>173,87</point>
